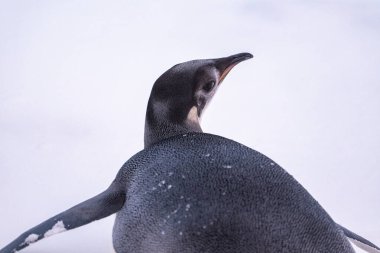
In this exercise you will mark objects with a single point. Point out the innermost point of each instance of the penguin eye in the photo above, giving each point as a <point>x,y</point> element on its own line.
<point>208,86</point>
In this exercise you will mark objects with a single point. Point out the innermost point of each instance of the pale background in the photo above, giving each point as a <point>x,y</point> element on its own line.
<point>75,77</point>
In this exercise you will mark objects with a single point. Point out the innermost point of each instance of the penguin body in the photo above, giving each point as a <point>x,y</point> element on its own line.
<point>204,193</point>
<point>188,191</point>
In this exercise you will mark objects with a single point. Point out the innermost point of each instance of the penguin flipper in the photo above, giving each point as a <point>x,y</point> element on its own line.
<point>359,241</point>
<point>98,207</point>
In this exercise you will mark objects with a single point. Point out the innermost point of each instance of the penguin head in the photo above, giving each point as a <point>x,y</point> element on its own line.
<point>180,96</point>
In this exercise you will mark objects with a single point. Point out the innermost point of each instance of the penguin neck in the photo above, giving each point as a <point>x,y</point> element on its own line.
<point>159,124</point>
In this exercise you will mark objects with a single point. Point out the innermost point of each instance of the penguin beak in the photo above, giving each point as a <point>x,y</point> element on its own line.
<point>224,65</point>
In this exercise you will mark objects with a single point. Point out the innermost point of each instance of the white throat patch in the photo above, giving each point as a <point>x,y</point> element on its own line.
<point>192,116</point>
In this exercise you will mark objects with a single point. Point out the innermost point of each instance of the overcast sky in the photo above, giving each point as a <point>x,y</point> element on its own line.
<point>75,77</point>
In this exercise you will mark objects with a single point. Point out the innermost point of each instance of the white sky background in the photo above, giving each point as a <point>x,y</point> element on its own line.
<point>75,77</point>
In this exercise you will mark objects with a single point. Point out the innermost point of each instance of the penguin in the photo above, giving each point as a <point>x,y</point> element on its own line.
<point>190,191</point>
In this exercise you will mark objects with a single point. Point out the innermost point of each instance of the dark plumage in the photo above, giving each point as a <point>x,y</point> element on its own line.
<point>204,193</point>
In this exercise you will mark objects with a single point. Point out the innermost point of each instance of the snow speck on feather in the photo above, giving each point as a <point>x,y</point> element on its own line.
<point>57,228</point>
<point>31,238</point>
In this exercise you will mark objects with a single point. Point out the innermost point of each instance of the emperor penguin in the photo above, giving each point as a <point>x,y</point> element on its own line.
<point>189,191</point>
